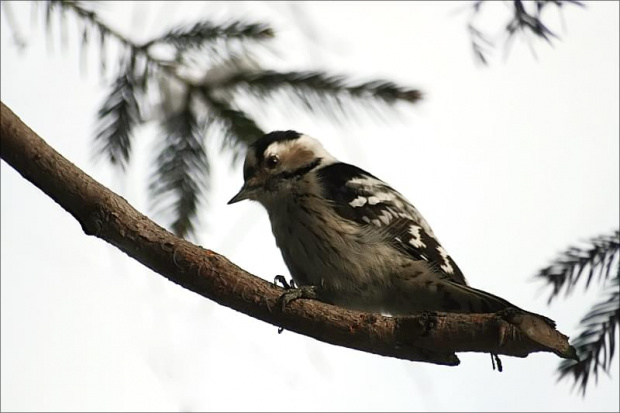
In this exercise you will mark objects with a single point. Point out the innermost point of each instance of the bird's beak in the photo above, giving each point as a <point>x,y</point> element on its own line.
<point>244,193</point>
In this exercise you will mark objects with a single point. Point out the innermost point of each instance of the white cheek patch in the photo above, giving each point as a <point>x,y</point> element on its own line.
<point>447,267</point>
<point>416,239</point>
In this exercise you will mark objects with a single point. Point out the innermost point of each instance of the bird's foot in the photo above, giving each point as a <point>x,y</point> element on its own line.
<point>293,293</point>
<point>285,284</point>
<point>428,320</point>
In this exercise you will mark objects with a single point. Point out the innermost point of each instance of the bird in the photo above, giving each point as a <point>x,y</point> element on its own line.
<point>349,238</point>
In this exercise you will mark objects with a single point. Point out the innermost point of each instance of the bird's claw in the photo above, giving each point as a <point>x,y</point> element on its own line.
<point>496,360</point>
<point>293,293</point>
<point>285,298</point>
<point>285,284</point>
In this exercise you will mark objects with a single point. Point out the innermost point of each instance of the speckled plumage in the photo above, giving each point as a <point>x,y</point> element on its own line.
<point>350,234</point>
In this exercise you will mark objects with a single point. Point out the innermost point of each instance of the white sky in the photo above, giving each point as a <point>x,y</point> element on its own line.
<point>509,163</point>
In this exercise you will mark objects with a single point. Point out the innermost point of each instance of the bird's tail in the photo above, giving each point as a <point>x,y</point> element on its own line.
<point>465,299</point>
<point>432,295</point>
<point>543,332</point>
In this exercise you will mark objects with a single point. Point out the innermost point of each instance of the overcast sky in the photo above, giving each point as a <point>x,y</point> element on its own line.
<point>510,164</point>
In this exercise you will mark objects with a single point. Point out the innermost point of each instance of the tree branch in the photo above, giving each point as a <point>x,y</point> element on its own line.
<point>433,338</point>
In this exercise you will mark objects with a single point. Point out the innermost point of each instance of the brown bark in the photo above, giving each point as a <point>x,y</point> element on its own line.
<point>433,338</point>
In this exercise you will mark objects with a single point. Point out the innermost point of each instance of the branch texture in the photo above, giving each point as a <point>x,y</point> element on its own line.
<point>431,338</point>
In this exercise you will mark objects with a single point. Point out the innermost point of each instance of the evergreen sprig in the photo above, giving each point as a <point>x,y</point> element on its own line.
<point>321,92</point>
<point>522,21</point>
<point>118,117</point>
<point>208,32</point>
<point>596,344</point>
<point>181,168</point>
<point>223,56</point>
<point>237,127</point>
<point>566,270</point>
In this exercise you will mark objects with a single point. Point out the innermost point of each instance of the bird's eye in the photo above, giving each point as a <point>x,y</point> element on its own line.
<point>272,161</point>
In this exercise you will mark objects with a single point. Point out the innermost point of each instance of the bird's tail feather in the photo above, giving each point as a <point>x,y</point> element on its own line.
<point>463,298</point>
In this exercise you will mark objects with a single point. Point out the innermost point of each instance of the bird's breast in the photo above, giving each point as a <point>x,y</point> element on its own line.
<point>320,248</point>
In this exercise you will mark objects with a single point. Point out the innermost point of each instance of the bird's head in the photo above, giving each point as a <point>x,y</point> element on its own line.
<point>278,161</point>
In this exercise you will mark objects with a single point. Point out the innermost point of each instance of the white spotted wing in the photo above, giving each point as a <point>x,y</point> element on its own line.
<point>361,197</point>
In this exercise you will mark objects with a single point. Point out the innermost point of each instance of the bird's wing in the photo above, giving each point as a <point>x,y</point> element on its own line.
<point>361,197</point>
